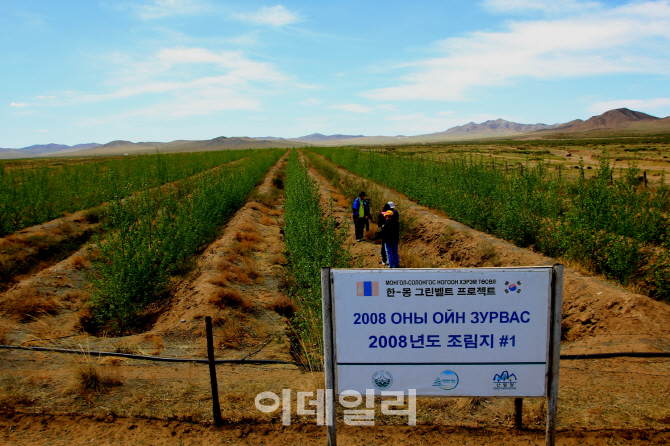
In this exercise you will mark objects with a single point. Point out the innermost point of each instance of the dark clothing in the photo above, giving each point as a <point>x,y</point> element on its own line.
<point>390,231</point>
<point>360,222</point>
<point>381,220</point>
<point>359,227</point>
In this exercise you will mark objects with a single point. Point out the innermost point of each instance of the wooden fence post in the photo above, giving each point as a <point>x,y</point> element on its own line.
<point>216,409</point>
<point>518,413</point>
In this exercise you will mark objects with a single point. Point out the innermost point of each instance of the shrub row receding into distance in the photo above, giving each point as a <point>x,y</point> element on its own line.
<point>44,190</point>
<point>152,233</point>
<point>607,223</point>
<point>312,242</point>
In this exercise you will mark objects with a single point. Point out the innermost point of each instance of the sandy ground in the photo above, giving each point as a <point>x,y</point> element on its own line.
<point>614,401</point>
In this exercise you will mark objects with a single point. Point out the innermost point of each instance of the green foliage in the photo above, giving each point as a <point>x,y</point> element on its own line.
<point>152,233</point>
<point>42,192</point>
<point>605,223</point>
<point>312,242</point>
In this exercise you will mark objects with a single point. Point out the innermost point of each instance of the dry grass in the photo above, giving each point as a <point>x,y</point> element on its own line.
<point>235,274</point>
<point>15,392</point>
<point>340,200</point>
<point>231,298</point>
<point>370,234</point>
<point>245,247</point>
<point>75,298</point>
<point>127,346</point>
<point>282,305</point>
<point>3,334</point>
<point>268,199</point>
<point>275,213</point>
<point>487,251</point>
<point>80,262</point>
<point>29,304</point>
<point>277,259</point>
<point>158,345</point>
<point>235,329</point>
<point>259,207</point>
<point>220,280</point>
<point>447,236</point>
<point>250,268</point>
<point>414,256</point>
<point>91,377</point>
<point>267,221</point>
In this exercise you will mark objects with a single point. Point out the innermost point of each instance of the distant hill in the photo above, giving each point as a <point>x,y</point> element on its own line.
<point>499,126</point>
<point>41,149</point>
<point>221,143</point>
<point>318,137</point>
<point>612,119</point>
<point>612,122</point>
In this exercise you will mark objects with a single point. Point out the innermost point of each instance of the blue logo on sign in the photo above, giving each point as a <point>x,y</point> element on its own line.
<point>447,380</point>
<point>505,381</point>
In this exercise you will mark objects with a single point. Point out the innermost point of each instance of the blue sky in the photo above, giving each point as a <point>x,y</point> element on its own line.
<point>78,71</point>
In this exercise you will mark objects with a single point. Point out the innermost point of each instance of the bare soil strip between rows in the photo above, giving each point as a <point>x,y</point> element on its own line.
<point>597,317</point>
<point>614,401</point>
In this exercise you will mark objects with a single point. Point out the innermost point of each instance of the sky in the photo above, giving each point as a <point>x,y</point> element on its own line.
<point>81,71</point>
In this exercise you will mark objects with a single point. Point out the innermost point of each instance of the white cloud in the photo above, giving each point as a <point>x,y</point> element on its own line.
<point>273,16</point>
<point>185,82</point>
<point>545,6</point>
<point>387,107</point>
<point>310,102</point>
<point>43,131</point>
<point>182,69</point>
<point>156,9</point>
<point>18,104</point>
<point>633,104</point>
<point>627,39</point>
<point>354,108</point>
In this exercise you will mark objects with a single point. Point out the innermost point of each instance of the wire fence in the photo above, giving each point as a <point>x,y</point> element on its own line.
<point>298,364</point>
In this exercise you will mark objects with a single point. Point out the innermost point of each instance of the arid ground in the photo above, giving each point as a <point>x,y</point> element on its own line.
<point>238,280</point>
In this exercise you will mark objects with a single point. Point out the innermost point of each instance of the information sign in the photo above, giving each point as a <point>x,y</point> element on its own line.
<point>443,332</point>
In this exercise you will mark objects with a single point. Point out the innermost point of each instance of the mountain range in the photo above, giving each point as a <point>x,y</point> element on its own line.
<point>619,120</point>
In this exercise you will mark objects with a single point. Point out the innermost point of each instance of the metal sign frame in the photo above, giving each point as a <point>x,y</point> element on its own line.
<point>553,344</point>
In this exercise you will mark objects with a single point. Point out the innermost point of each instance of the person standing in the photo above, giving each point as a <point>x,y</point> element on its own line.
<point>361,213</point>
<point>381,219</point>
<point>390,237</point>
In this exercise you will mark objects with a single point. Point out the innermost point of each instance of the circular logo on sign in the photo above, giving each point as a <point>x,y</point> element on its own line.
<point>447,380</point>
<point>382,379</point>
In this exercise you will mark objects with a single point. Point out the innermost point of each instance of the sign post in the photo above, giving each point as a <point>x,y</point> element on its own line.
<point>486,332</point>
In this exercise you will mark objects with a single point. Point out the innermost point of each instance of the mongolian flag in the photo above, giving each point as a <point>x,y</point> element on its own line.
<point>367,288</point>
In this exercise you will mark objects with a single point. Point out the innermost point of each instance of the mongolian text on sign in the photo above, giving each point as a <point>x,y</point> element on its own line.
<point>458,332</point>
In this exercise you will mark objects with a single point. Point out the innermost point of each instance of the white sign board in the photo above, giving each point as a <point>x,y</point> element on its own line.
<point>443,332</point>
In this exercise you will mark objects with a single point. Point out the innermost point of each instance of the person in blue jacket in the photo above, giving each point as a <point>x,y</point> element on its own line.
<point>361,214</point>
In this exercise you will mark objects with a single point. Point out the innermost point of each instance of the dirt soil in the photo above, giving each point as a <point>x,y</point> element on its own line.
<point>237,280</point>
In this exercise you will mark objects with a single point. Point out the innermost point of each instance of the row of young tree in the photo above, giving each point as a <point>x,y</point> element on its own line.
<point>44,190</point>
<point>149,236</point>
<point>606,222</point>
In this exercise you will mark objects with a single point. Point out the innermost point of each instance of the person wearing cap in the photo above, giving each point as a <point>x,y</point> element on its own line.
<point>390,233</point>
<point>361,214</point>
<point>381,219</point>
